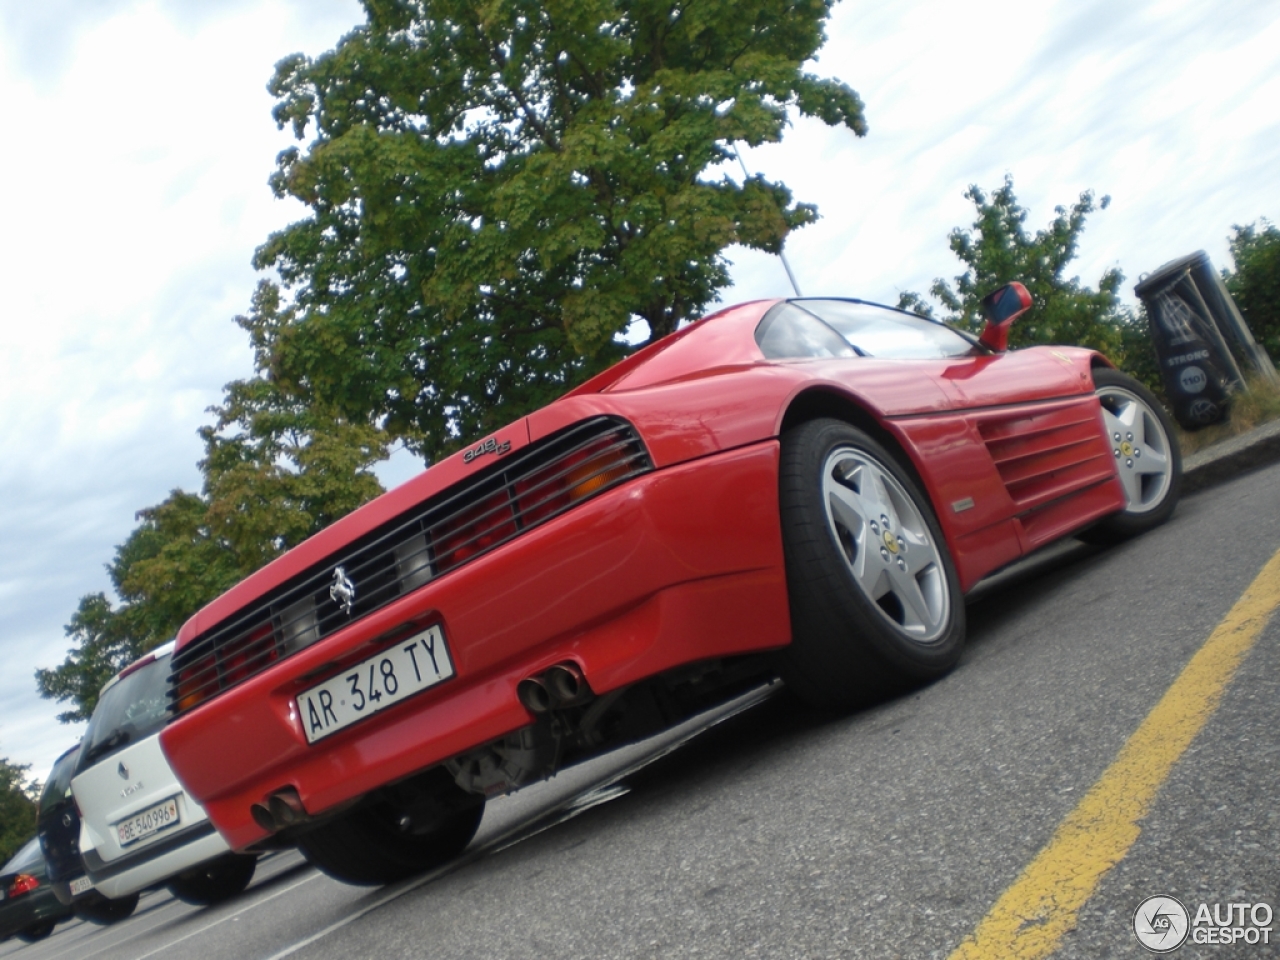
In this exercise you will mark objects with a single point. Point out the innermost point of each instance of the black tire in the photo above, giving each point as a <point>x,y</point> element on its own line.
<point>1137,428</point>
<point>876,606</point>
<point>104,911</point>
<point>214,881</point>
<point>37,931</point>
<point>376,842</point>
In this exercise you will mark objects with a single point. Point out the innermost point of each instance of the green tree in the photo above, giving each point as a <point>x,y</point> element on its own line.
<point>17,807</point>
<point>497,190</point>
<point>275,473</point>
<point>101,647</point>
<point>1255,283</point>
<point>998,249</point>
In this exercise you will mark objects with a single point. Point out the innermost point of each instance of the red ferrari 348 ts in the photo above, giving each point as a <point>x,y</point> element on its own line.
<point>803,487</point>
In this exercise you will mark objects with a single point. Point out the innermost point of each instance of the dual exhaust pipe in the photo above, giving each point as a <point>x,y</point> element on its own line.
<point>283,809</point>
<point>562,685</point>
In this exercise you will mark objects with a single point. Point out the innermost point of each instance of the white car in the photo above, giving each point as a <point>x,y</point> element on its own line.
<point>138,827</point>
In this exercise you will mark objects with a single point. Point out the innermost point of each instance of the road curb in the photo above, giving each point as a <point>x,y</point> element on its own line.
<point>1228,459</point>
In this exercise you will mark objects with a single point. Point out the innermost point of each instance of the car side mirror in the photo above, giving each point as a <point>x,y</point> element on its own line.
<point>1001,307</point>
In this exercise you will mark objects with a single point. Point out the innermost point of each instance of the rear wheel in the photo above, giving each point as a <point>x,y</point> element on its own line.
<point>103,910</point>
<point>215,881</point>
<point>397,832</point>
<point>37,931</point>
<point>875,599</point>
<point>1145,449</point>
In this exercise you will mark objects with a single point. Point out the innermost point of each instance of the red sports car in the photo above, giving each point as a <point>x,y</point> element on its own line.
<point>806,487</point>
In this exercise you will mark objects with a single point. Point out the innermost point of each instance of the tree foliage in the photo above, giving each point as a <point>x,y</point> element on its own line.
<point>497,190</point>
<point>1255,283</point>
<point>101,646</point>
<point>998,249</point>
<point>275,473</point>
<point>17,807</point>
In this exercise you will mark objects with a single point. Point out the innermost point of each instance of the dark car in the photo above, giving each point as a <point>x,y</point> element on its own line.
<point>28,908</point>
<point>58,827</point>
<point>58,830</point>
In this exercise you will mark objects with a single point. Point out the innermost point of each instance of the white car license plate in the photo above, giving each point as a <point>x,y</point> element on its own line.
<point>383,680</point>
<point>149,821</point>
<point>81,885</point>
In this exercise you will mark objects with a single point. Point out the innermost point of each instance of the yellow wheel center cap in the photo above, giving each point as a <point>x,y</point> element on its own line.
<point>1126,448</point>
<point>890,542</point>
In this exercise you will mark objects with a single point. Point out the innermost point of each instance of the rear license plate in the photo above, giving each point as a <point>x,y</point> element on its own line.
<point>383,680</point>
<point>148,822</point>
<point>81,885</point>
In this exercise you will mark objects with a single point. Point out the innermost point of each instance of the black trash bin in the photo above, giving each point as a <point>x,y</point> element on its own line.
<point>1196,365</point>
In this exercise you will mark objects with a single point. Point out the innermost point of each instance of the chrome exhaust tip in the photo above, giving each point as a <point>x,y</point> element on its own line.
<point>262,817</point>
<point>285,808</point>
<point>534,694</point>
<point>567,684</point>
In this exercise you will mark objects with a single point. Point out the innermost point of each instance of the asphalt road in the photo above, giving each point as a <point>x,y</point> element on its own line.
<point>890,833</point>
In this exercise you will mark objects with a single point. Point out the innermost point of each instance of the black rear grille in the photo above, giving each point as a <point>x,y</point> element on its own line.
<point>451,529</point>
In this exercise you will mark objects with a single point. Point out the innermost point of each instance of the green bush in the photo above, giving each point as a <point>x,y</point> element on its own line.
<point>1255,284</point>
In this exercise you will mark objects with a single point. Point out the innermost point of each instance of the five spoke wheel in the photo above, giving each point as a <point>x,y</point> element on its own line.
<point>1145,449</point>
<point>875,600</point>
<point>885,543</point>
<point>1140,446</point>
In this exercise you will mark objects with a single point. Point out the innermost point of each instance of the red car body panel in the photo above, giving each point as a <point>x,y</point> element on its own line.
<point>679,565</point>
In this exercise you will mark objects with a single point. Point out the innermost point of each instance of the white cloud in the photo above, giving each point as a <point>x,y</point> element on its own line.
<point>1164,106</point>
<point>138,144</point>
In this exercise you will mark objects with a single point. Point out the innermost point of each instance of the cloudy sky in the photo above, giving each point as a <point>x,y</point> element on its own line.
<point>137,141</point>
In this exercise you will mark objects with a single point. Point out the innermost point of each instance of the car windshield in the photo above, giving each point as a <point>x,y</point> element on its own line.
<point>24,859</point>
<point>129,711</point>
<point>810,329</point>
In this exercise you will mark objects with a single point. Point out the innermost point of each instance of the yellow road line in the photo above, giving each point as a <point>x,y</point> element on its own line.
<point>1031,917</point>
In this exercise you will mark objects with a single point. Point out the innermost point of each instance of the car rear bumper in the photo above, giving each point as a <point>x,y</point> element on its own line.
<point>156,864</point>
<point>680,565</point>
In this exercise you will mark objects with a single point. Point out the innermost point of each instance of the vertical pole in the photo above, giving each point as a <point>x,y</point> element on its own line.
<point>781,253</point>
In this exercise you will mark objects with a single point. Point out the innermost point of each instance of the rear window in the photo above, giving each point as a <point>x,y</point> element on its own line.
<point>129,711</point>
<point>812,329</point>
<point>59,779</point>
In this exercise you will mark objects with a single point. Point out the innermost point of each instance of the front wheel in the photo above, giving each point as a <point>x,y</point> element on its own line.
<point>875,600</point>
<point>215,881</point>
<point>1145,449</point>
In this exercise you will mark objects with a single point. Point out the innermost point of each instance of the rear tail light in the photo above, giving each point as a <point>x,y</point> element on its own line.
<point>541,494</point>
<point>197,683</point>
<point>22,883</point>
<point>573,478</point>
<point>484,511</point>
<point>473,531</point>
<point>238,660</point>
<point>235,662</point>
